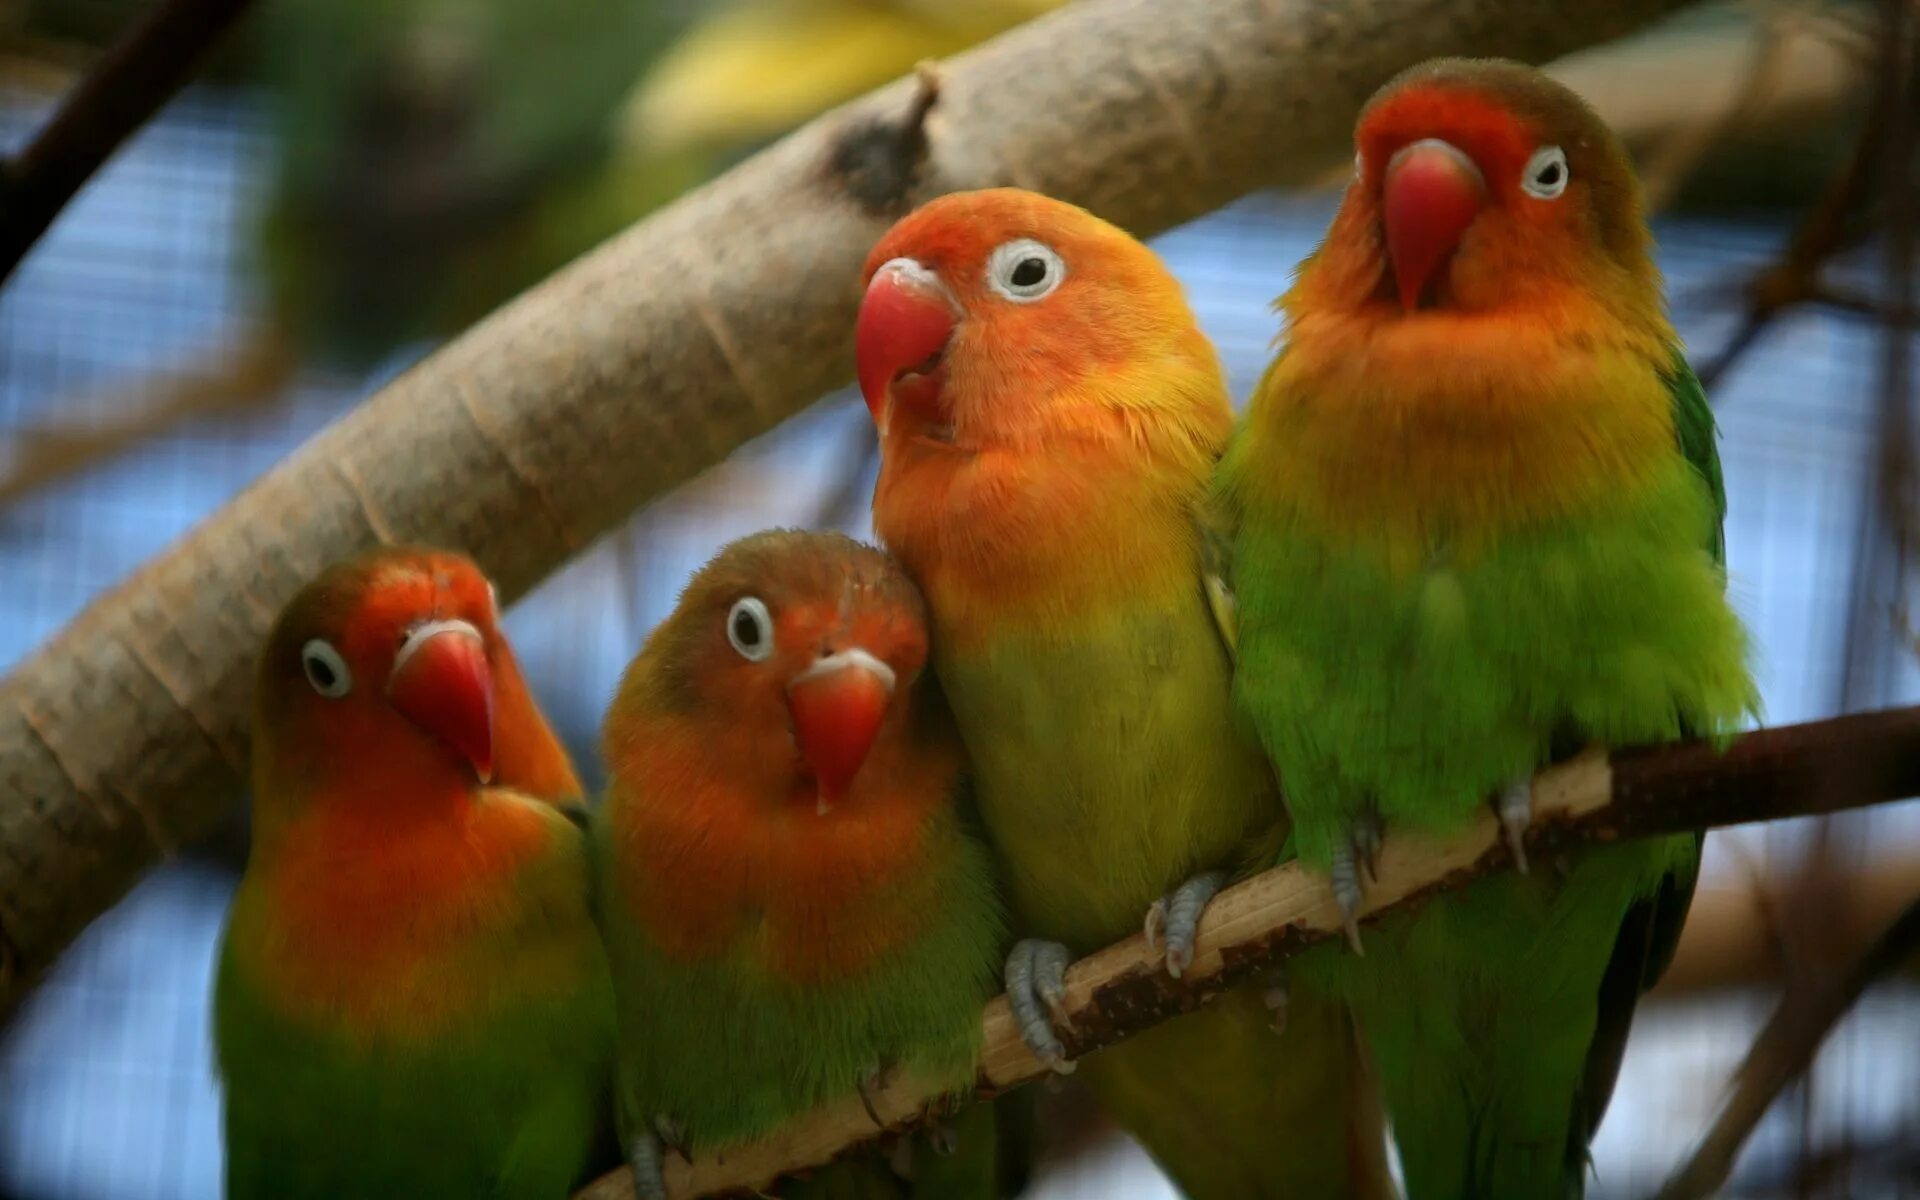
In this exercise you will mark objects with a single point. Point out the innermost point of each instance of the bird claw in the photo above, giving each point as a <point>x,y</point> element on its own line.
<point>870,1082</point>
<point>1177,916</point>
<point>942,1139</point>
<point>1036,989</point>
<point>1276,994</point>
<point>647,1155</point>
<point>1514,807</point>
<point>1357,858</point>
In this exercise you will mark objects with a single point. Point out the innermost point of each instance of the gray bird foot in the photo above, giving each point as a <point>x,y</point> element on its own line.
<point>1356,859</point>
<point>1176,915</point>
<point>1514,807</point>
<point>1276,994</point>
<point>1036,986</point>
<point>648,1157</point>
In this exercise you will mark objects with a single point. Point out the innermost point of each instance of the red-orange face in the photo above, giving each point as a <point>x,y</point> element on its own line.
<point>386,663</point>
<point>981,307</point>
<point>798,651</point>
<point>1482,185</point>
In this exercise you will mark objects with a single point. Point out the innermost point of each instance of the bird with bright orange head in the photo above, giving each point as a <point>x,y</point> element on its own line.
<point>412,998</point>
<point>1475,516</point>
<point>794,901</point>
<point>1050,416</point>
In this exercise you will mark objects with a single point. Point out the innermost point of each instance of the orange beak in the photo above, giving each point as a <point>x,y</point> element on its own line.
<point>837,705</point>
<point>441,682</point>
<point>906,320</point>
<point>1431,193</point>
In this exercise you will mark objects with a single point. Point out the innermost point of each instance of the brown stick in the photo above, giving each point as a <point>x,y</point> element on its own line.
<point>129,84</point>
<point>1783,1052</point>
<point>1796,770</point>
<point>650,359</point>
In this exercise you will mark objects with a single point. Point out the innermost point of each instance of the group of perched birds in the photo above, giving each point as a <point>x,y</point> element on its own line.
<point>1118,652</point>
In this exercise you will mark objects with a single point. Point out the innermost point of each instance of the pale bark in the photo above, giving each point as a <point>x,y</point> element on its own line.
<point>650,359</point>
<point>1825,766</point>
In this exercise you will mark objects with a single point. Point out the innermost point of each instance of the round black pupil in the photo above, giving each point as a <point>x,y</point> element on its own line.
<point>320,672</point>
<point>1028,272</point>
<point>746,630</point>
<point>1550,174</point>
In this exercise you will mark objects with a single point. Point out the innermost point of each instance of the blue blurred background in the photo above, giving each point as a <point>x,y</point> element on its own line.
<point>162,266</point>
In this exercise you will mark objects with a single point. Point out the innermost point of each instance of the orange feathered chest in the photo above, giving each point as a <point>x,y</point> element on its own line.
<point>1404,430</point>
<point>1045,534</point>
<point>712,866</point>
<point>377,924</point>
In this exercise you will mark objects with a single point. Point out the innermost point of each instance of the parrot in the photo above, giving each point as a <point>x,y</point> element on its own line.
<point>1473,518</point>
<point>793,898</point>
<point>1049,415</point>
<point>411,997</point>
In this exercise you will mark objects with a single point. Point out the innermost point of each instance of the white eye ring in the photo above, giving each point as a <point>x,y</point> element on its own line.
<point>1010,270</point>
<point>325,669</point>
<point>750,628</point>
<point>1545,175</point>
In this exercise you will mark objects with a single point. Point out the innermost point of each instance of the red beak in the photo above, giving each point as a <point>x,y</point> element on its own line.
<point>441,682</point>
<point>837,705</point>
<point>1431,193</point>
<point>905,322</point>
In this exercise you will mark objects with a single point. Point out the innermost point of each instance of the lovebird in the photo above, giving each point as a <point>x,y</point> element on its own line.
<point>411,999</point>
<point>1050,415</point>
<point>793,901</point>
<point>1474,515</point>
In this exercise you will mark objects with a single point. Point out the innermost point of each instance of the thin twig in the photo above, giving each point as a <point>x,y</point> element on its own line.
<point>1827,227</point>
<point>1783,1052</point>
<point>126,87</point>
<point>1797,770</point>
<point>251,375</point>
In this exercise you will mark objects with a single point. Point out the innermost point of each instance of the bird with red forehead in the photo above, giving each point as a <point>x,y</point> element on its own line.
<point>412,999</point>
<point>1475,514</point>
<point>792,897</point>
<point>1050,416</point>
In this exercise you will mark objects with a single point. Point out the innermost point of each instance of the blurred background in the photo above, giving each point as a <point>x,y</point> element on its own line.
<point>352,181</point>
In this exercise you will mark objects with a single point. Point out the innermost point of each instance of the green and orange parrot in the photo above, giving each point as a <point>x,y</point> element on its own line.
<point>792,897</point>
<point>1050,417</point>
<point>412,999</point>
<point>1476,514</point>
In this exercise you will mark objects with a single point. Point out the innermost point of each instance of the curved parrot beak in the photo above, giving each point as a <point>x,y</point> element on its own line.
<point>837,705</point>
<point>441,682</point>
<point>1431,193</point>
<point>906,320</point>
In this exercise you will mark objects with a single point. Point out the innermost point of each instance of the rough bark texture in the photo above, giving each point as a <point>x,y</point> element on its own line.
<point>1796,770</point>
<point>653,357</point>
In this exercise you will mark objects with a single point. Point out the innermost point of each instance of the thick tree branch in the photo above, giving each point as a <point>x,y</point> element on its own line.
<point>125,88</point>
<point>1796,770</point>
<point>654,356</point>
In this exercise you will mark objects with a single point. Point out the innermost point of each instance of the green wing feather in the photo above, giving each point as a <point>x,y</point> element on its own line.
<point>1651,932</point>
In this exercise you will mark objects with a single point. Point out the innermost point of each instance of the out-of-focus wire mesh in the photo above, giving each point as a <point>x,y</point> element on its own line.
<point>106,1089</point>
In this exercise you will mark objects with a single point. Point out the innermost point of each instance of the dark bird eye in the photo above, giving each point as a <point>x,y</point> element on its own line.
<point>1546,174</point>
<point>750,628</point>
<point>326,671</point>
<point>1024,270</point>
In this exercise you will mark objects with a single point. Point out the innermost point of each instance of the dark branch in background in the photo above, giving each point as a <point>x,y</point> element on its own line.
<point>1835,221</point>
<point>126,87</point>
<point>1796,770</point>
<point>1783,1052</point>
<point>1887,533</point>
